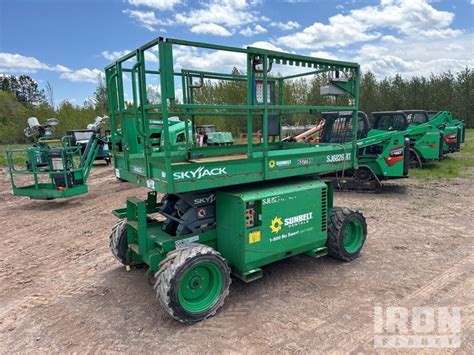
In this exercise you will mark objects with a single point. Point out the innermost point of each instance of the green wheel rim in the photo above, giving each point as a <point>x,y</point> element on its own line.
<point>200,287</point>
<point>353,236</point>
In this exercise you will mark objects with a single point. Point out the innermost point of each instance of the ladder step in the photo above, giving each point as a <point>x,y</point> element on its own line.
<point>134,201</point>
<point>134,247</point>
<point>133,224</point>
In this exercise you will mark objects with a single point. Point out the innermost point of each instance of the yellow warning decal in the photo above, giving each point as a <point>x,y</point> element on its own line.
<point>255,237</point>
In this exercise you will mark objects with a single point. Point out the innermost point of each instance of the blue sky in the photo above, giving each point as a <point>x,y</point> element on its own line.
<point>69,42</point>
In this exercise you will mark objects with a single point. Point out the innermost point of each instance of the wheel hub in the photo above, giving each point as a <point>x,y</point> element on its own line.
<point>200,287</point>
<point>353,236</point>
<point>195,282</point>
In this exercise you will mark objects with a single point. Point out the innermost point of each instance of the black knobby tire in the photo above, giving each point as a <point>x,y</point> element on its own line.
<point>118,244</point>
<point>341,222</point>
<point>173,270</point>
<point>118,241</point>
<point>414,160</point>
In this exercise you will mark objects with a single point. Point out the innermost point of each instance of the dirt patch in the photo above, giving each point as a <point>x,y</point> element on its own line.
<point>62,291</point>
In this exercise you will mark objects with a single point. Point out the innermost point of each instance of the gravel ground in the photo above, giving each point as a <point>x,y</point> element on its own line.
<point>62,291</point>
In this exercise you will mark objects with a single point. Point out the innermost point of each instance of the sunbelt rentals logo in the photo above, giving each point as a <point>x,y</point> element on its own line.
<point>277,223</point>
<point>199,173</point>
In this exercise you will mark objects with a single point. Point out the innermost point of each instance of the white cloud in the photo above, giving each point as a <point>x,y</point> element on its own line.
<point>114,55</point>
<point>266,45</point>
<point>150,57</point>
<point>370,51</point>
<point>10,63</point>
<point>392,39</point>
<point>61,68</point>
<point>454,47</point>
<point>322,54</point>
<point>211,28</point>
<point>216,17</point>
<point>153,93</point>
<point>417,57</point>
<point>17,63</point>
<point>83,75</point>
<point>226,13</point>
<point>223,61</point>
<point>249,32</point>
<point>278,68</point>
<point>146,19</point>
<point>440,33</point>
<point>156,4</point>
<point>194,58</point>
<point>341,31</point>
<point>286,26</point>
<point>412,18</point>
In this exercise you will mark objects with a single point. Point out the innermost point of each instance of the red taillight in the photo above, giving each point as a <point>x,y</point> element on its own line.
<point>395,156</point>
<point>61,188</point>
<point>450,138</point>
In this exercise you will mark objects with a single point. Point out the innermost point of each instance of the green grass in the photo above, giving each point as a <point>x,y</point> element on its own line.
<point>454,165</point>
<point>18,158</point>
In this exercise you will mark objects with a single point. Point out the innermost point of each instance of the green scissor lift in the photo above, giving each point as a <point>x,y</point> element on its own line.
<point>229,208</point>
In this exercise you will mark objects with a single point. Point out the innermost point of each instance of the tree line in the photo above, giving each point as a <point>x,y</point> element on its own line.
<point>20,98</point>
<point>442,92</point>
